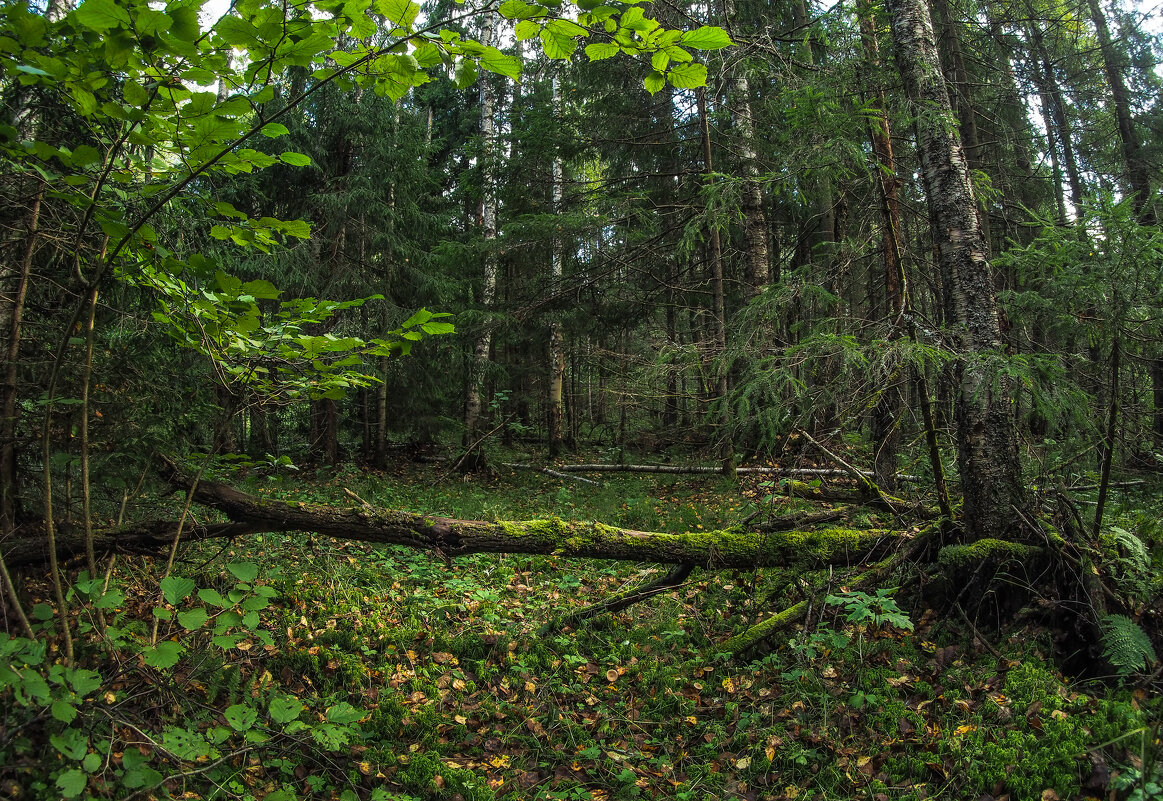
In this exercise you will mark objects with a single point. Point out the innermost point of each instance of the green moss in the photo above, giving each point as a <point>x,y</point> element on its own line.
<point>550,528</point>
<point>993,551</point>
<point>761,631</point>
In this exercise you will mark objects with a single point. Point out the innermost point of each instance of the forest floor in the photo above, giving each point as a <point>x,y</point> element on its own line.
<point>461,696</point>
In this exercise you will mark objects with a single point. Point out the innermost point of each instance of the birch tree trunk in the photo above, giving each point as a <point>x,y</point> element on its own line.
<point>488,222</point>
<point>555,407</point>
<point>986,432</point>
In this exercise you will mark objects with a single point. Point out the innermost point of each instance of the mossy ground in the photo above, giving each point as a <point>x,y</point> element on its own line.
<point>468,701</point>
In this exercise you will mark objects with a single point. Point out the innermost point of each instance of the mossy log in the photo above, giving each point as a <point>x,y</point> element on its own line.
<point>450,537</point>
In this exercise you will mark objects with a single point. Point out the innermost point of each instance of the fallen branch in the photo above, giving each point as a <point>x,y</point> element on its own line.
<point>549,472</point>
<point>623,600</point>
<point>698,469</point>
<point>892,504</point>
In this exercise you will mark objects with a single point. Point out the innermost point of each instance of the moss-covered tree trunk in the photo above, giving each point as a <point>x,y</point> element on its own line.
<point>733,548</point>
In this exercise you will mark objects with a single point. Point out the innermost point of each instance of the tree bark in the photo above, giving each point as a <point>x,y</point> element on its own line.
<point>488,223</point>
<point>727,548</point>
<point>1137,170</point>
<point>13,288</point>
<point>555,406</point>
<point>885,417</point>
<point>986,431</point>
<point>757,267</point>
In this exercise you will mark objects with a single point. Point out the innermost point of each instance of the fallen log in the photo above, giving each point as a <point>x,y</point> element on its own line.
<point>677,469</point>
<point>450,537</point>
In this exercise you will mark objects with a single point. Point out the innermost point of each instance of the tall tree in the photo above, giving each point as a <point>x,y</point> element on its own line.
<point>986,433</point>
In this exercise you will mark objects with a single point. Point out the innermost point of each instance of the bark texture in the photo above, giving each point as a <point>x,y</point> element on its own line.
<point>986,433</point>
<point>488,222</point>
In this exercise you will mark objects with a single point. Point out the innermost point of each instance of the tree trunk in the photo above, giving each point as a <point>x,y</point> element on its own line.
<point>725,549</point>
<point>986,431</point>
<point>488,222</point>
<point>1137,169</point>
<point>13,288</point>
<point>555,406</point>
<point>726,446</point>
<point>885,417</point>
<point>1050,95</point>
<point>757,267</point>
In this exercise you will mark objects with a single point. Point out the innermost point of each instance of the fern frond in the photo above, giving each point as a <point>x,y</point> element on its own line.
<point>1125,644</point>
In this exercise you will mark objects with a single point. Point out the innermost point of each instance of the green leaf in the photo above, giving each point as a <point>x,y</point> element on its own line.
<point>284,708</point>
<point>84,681</point>
<point>101,15</point>
<point>164,655</point>
<point>243,571</point>
<point>526,29</point>
<point>295,159</point>
<point>241,717</point>
<point>519,9</point>
<point>466,73</point>
<point>91,762</point>
<point>185,744</point>
<point>85,155</point>
<point>400,12</point>
<point>601,50</point>
<point>659,61</point>
<point>343,712</point>
<point>213,597</point>
<point>688,76</point>
<point>84,100</point>
<point>707,37</point>
<point>654,82</point>
<point>71,742</point>
<point>72,783</point>
<point>193,618</point>
<point>556,44</point>
<point>435,329</point>
<point>273,129</point>
<point>63,711</point>
<point>494,60</point>
<point>176,589</point>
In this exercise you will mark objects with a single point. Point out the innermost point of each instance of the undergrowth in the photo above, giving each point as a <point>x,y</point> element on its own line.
<point>344,671</point>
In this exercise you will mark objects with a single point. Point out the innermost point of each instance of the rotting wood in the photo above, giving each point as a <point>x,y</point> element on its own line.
<point>450,537</point>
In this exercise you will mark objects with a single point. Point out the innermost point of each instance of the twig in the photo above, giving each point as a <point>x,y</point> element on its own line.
<point>471,448</point>
<point>989,647</point>
<point>863,480</point>
<point>365,504</point>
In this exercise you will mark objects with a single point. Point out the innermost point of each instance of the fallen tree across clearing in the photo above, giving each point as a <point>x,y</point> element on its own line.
<point>450,537</point>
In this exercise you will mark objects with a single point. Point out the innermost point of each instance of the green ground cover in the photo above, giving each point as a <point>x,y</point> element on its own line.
<point>325,670</point>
